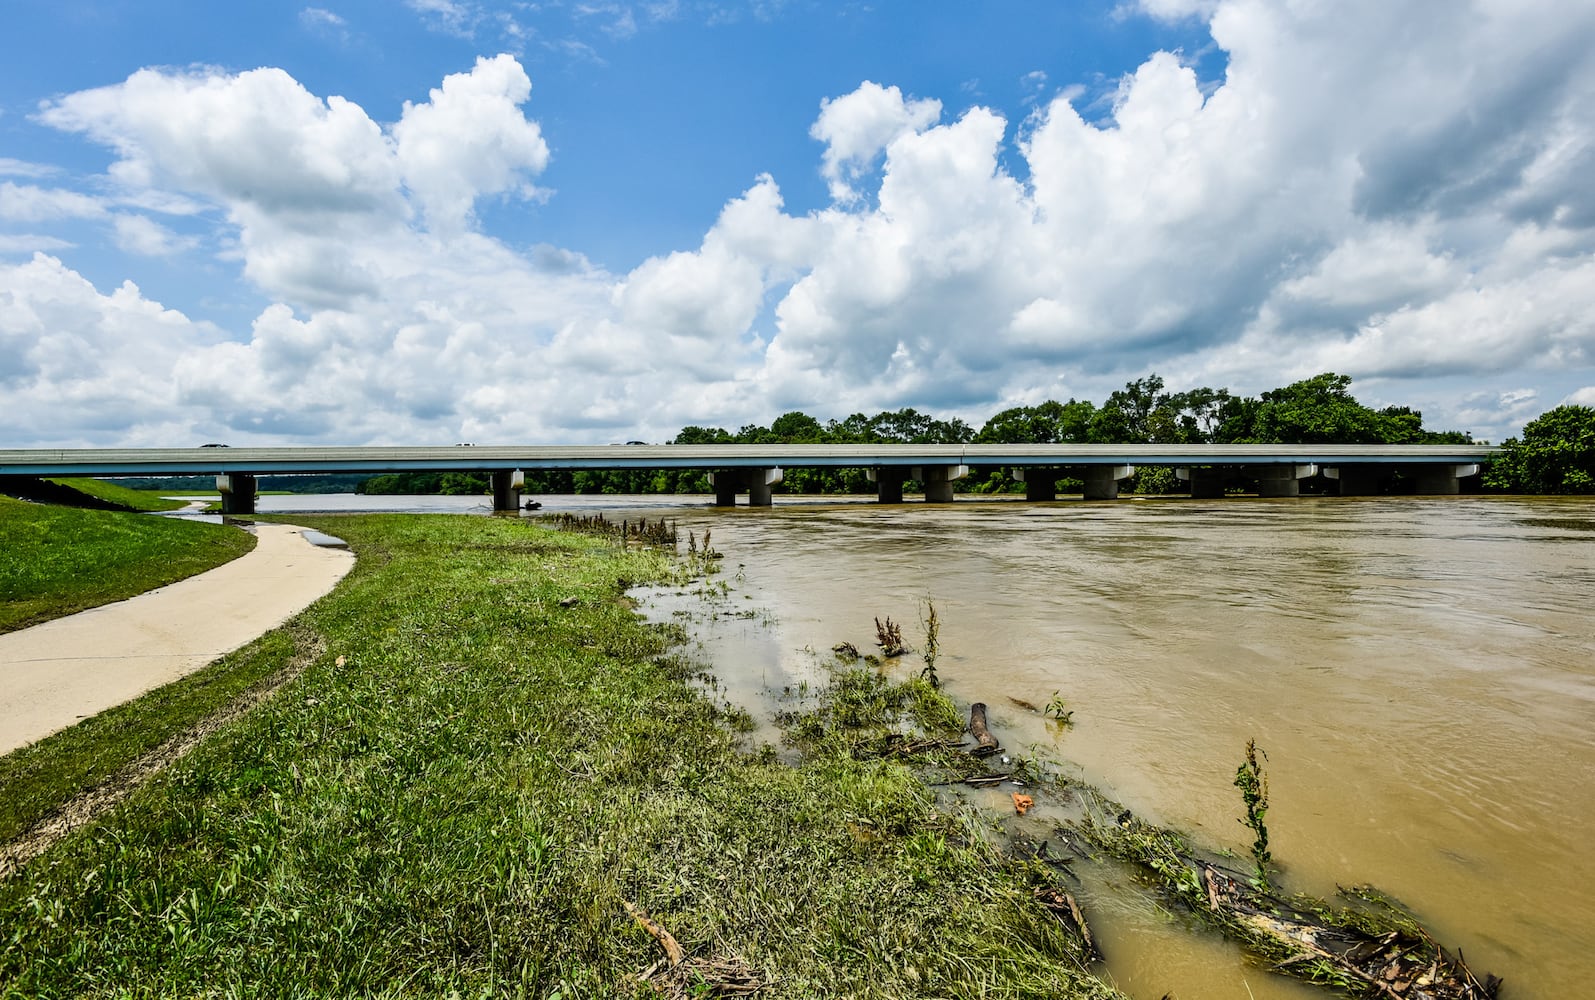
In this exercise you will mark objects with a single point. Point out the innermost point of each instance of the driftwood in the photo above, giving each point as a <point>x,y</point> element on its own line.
<point>1063,906</point>
<point>1401,964</point>
<point>666,940</point>
<point>678,977</point>
<point>985,743</point>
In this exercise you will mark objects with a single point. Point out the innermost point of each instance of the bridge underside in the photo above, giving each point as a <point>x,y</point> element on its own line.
<point>1100,482</point>
<point>1098,471</point>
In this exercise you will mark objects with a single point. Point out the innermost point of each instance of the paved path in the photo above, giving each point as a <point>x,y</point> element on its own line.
<point>54,674</point>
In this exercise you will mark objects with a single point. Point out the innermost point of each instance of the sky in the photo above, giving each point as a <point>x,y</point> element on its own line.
<point>443,221</point>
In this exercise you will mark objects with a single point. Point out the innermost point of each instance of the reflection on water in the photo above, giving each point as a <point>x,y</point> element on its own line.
<point>1420,672</point>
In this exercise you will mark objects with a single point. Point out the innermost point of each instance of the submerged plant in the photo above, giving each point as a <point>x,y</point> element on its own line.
<point>889,636</point>
<point>1253,783</point>
<point>1059,710</point>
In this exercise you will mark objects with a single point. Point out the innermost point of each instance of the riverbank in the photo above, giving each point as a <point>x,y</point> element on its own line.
<point>476,761</point>
<point>56,561</point>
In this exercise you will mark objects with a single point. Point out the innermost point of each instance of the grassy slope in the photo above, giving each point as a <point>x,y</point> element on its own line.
<point>143,500</point>
<point>467,802</point>
<point>57,560</point>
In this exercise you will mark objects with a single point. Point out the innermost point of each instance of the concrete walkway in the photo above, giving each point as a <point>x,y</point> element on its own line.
<point>54,674</point>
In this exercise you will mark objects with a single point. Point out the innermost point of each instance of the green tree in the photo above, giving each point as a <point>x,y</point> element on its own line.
<point>1556,455</point>
<point>702,435</point>
<point>797,428</point>
<point>1046,423</point>
<point>1137,414</point>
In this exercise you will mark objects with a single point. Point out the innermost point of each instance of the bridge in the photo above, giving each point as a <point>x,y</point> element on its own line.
<point>1276,469</point>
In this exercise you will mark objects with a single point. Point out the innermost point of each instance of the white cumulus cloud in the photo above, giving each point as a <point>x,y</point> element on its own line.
<point>1400,213</point>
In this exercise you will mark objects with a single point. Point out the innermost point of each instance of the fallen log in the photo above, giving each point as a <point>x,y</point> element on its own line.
<point>985,743</point>
<point>1403,964</point>
<point>1376,951</point>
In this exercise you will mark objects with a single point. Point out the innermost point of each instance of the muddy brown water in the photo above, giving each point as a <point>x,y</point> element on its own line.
<point>1420,672</point>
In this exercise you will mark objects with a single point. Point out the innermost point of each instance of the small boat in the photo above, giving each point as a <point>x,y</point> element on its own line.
<point>533,505</point>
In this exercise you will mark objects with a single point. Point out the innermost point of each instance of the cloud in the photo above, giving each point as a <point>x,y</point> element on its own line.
<point>324,23</point>
<point>22,168</point>
<point>28,203</point>
<point>448,16</point>
<point>139,234</point>
<point>469,140</point>
<point>30,243</point>
<point>857,128</point>
<point>77,365</point>
<point>1401,213</point>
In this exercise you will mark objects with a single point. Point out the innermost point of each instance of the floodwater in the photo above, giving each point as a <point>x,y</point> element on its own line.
<point>1419,671</point>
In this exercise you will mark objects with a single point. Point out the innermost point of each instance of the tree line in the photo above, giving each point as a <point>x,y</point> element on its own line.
<point>1555,455</point>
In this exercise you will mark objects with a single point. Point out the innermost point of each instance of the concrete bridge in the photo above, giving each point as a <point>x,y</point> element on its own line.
<point>1277,469</point>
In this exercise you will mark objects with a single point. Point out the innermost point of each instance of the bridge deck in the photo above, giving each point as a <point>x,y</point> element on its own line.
<point>487,458</point>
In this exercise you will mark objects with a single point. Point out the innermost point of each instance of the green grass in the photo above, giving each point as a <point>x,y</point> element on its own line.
<point>38,778</point>
<point>57,560</point>
<point>142,500</point>
<point>465,805</point>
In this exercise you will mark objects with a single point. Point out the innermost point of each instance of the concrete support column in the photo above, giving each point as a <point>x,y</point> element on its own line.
<point>726,482</point>
<point>1102,481</point>
<point>939,479</point>
<point>1041,485</point>
<point>729,482</point>
<point>1207,483</point>
<point>238,492</point>
<point>1357,480</point>
<point>1440,480</point>
<point>888,482</point>
<point>507,485</point>
<point>759,483</point>
<point>1283,480</point>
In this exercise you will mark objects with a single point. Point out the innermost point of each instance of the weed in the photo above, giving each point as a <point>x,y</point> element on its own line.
<point>932,642</point>
<point>889,636</point>
<point>1058,710</point>
<point>1253,783</point>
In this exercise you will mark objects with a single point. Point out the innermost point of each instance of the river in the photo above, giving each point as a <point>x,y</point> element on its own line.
<point>1420,672</point>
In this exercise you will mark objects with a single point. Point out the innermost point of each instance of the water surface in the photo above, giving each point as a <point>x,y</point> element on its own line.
<point>1420,672</point>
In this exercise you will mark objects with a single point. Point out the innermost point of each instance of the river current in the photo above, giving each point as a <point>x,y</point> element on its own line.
<point>1419,671</point>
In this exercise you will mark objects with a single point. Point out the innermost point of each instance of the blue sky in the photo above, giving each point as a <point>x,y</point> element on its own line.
<point>451,220</point>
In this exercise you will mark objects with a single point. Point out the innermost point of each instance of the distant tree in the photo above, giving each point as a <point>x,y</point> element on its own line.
<point>909,426</point>
<point>797,428</point>
<point>1199,413</point>
<point>1317,410</point>
<point>702,435</point>
<point>1137,414</point>
<point>1556,455</point>
<point>1046,423</point>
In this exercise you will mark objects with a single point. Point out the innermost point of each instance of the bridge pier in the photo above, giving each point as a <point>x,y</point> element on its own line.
<point>1440,480</point>
<point>238,492</point>
<point>1207,482</point>
<point>507,485</point>
<point>1041,483</point>
<point>938,481</point>
<point>888,480</point>
<point>1359,480</point>
<point>1102,481</point>
<point>757,481</point>
<point>1282,480</point>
